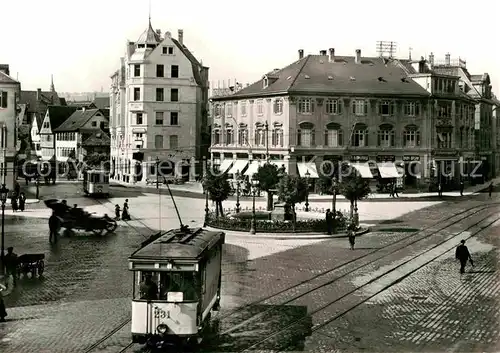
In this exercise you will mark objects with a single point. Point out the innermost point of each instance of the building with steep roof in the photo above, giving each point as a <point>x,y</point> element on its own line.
<point>9,99</point>
<point>158,109</point>
<point>389,118</point>
<point>54,117</point>
<point>69,135</point>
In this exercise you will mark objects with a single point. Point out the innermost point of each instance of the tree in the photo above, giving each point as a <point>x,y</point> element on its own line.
<point>326,186</point>
<point>219,189</point>
<point>268,177</point>
<point>353,186</point>
<point>96,159</point>
<point>292,190</point>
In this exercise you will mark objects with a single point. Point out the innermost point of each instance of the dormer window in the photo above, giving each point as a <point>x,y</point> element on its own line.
<point>168,50</point>
<point>265,82</point>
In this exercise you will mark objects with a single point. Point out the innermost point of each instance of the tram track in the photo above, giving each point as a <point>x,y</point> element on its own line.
<point>323,319</point>
<point>432,231</point>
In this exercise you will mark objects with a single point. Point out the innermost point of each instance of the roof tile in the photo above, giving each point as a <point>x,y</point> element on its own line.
<point>78,119</point>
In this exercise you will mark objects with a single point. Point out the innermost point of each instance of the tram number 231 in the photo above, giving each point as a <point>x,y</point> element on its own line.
<point>159,313</point>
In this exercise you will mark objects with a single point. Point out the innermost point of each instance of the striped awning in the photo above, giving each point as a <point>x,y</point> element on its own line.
<point>226,163</point>
<point>239,165</point>
<point>253,167</point>
<point>310,167</point>
<point>387,170</point>
<point>363,169</point>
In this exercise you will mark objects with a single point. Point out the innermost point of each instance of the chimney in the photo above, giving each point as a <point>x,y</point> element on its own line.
<point>38,94</point>
<point>5,69</point>
<point>358,56</point>
<point>421,65</point>
<point>322,52</point>
<point>180,36</point>
<point>158,31</point>
<point>447,59</point>
<point>301,53</point>
<point>431,58</point>
<point>332,55</point>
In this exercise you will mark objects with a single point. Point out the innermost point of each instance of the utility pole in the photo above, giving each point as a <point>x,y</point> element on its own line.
<point>267,141</point>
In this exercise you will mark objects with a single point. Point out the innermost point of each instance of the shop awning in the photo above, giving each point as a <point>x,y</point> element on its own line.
<point>388,170</point>
<point>253,167</point>
<point>226,163</point>
<point>363,170</point>
<point>307,167</point>
<point>239,165</point>
<point>279,164</point>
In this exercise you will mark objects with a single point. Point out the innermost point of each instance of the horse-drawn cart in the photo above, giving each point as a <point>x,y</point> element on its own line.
<point>33,263</point>
<point>78,219</point>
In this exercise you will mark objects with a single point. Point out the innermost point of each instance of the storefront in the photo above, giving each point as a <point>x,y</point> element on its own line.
<point>388,170</point>
<point>446,170</point>
<point>361,163</point>
<point>412,170</point>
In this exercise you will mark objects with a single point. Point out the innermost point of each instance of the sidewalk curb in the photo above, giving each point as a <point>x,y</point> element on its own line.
<point>283,236</point>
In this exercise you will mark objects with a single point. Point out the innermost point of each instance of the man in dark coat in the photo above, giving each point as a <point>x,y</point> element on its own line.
<point>490,189</point>
<point>461,188</point>
<point>329,221</point>
<point>11,263</point>
<point>3,311</point>
<point>54,225</point>
<point>462,254</point>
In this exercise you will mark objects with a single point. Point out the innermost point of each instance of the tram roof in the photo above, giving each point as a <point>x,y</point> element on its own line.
<point>178,244</point>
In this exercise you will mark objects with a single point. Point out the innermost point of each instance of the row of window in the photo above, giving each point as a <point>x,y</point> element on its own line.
<point>172,139</point>
<point>3,99</point>
<point>65,152</point>
<point>160,94</point>
<point>66,136</point>
<point>160,118</point>
<point>332,107</point>
<point>160,71</point>
<point>334,138</point>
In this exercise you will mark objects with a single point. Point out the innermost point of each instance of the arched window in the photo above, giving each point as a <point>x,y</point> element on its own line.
<point>385,135</point>
<point>306,135</point>
<point>229,134</point>
<point>360,136</point>
<point>277,135</point>
<point>216,135</point>
<point>243,135</point>
<point>259,134</point>
<point>333,135</point>
<point>411,136</point>
<point>158,141</point>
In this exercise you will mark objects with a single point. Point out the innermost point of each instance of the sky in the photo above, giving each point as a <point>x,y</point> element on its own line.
<point>81,42</point>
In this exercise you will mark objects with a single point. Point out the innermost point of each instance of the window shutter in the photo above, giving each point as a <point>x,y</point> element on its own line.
<point>392,108</point>
<point>417,137</point>
<point>392,138</point>
<point>366,138</point>
<point>299,106</point>
<point>256,136</point>
<point>313,138</point>
<point>326,137</point>
<point>312,105</point>
<point>213,138</point>
<point>365,105</point>
<point>341,138</point>
<point>353,107</point>
<point>417,108</point>
<point>340,106</point>
<point>379,139</point>
<point>379,105</point>
<point>299,140</point>
<point>4,99</point>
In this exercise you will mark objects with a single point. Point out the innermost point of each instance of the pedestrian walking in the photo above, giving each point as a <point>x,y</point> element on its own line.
<point>54,226</point>
<point>391,191</point>
<point>3,311</point>
<point>351,233</point>
<point>440,190</point>
<point>17,188</point>
<point>490,189</point>
<point>125,213</point>
<point>10,260</point>
<point>329,222</point>
<point>461,188</point>
<point>117,212</point>
<point>395,190</point>
<point>462,254</point>
<point>22,201</point>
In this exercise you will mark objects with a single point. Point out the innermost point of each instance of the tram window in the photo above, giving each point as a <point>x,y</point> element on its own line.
<point>143,289</point>
<point>178,282</point>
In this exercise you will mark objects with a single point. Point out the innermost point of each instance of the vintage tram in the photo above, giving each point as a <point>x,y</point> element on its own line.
<point>96,183</point>
<point>177,286</point>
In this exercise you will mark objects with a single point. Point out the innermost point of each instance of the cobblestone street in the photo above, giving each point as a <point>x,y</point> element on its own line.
<point>85,291</point>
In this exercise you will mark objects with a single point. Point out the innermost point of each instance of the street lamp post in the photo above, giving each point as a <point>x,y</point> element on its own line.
<point>37,183</point>
<point>307,190</point>
<point>157,172</point>
<point>4,192</point>
<point>356,215</point>
<point>334,199</point>
<point>255,183</point>
<point>237,191</point>
<point>206,194</point>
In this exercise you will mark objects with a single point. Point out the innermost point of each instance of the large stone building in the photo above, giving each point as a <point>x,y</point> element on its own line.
<point>387,117</point>
<point>158,109</point>
<point>9,99</point>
